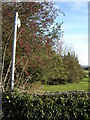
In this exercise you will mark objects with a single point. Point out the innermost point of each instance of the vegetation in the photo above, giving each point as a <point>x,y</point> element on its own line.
<point>34,40</point>
<point>75,72</point>
<point>82,85</point>
<point>36,55</point>
<point>66,107</point>
<point>37,60</point>
<point>38,87</point>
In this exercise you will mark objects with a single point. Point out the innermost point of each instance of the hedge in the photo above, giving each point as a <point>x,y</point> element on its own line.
<point>22,106</point>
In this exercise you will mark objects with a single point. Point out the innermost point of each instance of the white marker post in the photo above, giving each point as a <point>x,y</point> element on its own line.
<point>14,50</point>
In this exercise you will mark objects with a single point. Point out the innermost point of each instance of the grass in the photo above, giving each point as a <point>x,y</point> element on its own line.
<point>86,71</point>
<point>82,85</point>
<point>37,87</point>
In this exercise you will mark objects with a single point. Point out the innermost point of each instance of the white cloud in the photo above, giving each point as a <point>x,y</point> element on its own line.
<point>75,27</point>
<point>76,38</point>
<point>68,0</point>
<point>79,6</point>
<point>78,43</point>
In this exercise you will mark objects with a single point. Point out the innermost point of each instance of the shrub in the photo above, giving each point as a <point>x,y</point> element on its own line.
<point>65,107</point>
<point>54,73</point>
<point>72,66</point>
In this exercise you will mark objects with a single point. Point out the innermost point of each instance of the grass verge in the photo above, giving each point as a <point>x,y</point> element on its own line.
<point>82,85</point>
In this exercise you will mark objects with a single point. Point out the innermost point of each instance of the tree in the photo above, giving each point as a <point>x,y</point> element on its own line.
<point>71,64</point>
<point>54,73</point>
<point>35,39</point>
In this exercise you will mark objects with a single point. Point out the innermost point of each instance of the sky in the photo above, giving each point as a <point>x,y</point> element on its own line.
<point>75,28</point>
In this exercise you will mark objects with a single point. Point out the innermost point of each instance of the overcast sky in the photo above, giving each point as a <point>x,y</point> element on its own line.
<point>75,27</point>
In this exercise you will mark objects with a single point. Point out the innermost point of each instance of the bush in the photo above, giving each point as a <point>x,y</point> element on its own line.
<point>54,73</point>
<point>27,107</point>
<point>72,66</point>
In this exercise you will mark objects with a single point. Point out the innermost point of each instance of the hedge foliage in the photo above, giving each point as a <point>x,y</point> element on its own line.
<point>42,107</point>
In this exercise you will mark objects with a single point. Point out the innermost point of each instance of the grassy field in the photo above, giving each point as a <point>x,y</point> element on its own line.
<point>39,88</point>
<point>82,85</point>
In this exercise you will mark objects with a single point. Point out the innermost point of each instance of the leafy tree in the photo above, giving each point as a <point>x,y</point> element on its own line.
<point>54,73</point>
<point>71,64</point>
<point>35,40</point>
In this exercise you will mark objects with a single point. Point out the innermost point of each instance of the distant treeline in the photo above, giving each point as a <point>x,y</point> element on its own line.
<point>85,67</point>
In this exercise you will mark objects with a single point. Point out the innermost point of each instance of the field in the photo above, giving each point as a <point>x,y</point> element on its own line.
<point>82,85</point>
<point>39,88</point>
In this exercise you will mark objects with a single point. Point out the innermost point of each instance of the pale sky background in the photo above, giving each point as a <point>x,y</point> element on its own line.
<point>75,27</point>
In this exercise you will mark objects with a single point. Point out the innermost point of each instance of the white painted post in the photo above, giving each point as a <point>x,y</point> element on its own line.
<point>14,50</point>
